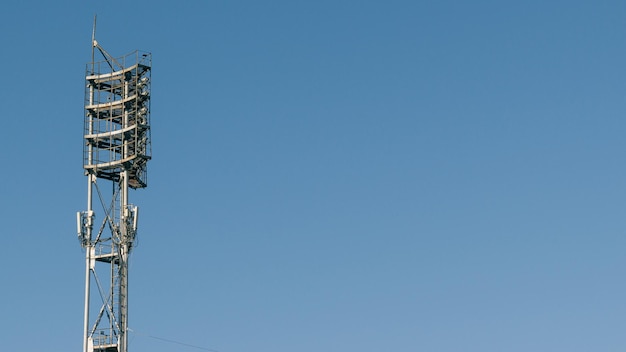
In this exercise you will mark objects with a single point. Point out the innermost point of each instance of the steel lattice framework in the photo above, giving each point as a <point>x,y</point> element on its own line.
<point>115,153</point>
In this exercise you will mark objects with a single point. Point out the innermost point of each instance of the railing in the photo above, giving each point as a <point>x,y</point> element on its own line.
<point>104,337</point>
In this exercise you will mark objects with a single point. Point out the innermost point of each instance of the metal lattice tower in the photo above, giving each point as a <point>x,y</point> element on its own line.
<point>115,153</point>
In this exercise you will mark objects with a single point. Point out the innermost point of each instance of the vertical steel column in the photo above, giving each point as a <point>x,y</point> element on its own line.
<point>88,248</point>
<point>125,240</point>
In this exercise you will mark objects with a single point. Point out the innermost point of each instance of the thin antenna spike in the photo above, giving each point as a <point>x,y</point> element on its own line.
<point>94,44</point>
<point>93,40</point>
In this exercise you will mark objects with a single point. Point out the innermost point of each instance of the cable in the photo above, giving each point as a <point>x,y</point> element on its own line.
<point>173,341</point>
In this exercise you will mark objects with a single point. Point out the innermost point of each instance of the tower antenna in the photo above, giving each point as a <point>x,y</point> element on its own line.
<point>116,149</point>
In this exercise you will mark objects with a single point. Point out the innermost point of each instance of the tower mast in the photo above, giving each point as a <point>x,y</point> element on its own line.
<point>116,150</point>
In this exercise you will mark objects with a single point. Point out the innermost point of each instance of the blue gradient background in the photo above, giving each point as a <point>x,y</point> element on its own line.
<point>331,175</point>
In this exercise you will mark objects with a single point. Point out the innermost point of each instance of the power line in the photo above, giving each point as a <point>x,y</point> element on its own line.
<point>174,341</point>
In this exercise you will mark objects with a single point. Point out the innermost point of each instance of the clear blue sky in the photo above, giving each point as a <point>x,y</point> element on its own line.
<point>436,176</point>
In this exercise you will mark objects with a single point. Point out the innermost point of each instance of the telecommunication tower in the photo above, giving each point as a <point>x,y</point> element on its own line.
<point>116,150</point>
